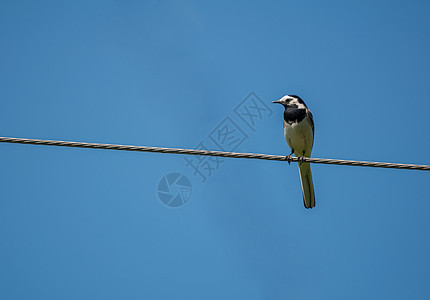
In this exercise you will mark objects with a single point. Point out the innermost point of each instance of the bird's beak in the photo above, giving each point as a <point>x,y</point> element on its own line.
<point>277,101</point>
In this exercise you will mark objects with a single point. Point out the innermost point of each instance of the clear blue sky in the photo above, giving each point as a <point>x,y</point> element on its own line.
<point>88,224</point>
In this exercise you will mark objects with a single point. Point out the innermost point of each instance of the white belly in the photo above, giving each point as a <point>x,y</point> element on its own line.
<point>300,137</point>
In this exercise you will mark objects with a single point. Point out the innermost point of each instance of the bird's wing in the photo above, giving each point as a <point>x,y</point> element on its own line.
<point>312,121</point>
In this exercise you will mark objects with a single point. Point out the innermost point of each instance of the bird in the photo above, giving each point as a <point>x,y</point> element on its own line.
<point>299,132</point>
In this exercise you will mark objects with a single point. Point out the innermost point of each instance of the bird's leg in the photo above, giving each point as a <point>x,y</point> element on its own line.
<point>289,157</point>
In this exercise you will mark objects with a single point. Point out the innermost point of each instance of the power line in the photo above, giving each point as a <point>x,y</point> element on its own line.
<point>214,153</point>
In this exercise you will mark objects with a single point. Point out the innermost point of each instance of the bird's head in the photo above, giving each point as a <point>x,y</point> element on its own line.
<point>292,101</point>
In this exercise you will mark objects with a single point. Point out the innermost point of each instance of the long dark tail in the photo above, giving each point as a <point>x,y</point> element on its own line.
<point>307,184</point>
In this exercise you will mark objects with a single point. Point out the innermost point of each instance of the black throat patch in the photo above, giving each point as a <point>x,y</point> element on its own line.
<point>294,114</point>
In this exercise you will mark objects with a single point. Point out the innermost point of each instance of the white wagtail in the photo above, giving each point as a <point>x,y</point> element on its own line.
<point>299,133</point>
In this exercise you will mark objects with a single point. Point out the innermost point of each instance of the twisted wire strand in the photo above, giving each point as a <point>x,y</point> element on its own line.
<point>215,153</point>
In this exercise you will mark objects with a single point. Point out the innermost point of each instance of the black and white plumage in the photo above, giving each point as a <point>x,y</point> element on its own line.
<point>299,132</point>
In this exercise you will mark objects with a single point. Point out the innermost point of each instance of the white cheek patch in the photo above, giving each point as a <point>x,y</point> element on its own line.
<point>294,101</point>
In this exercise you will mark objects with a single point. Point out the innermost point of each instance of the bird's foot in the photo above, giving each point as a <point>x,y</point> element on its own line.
<point>289,158</point>
<point>301,159</point>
